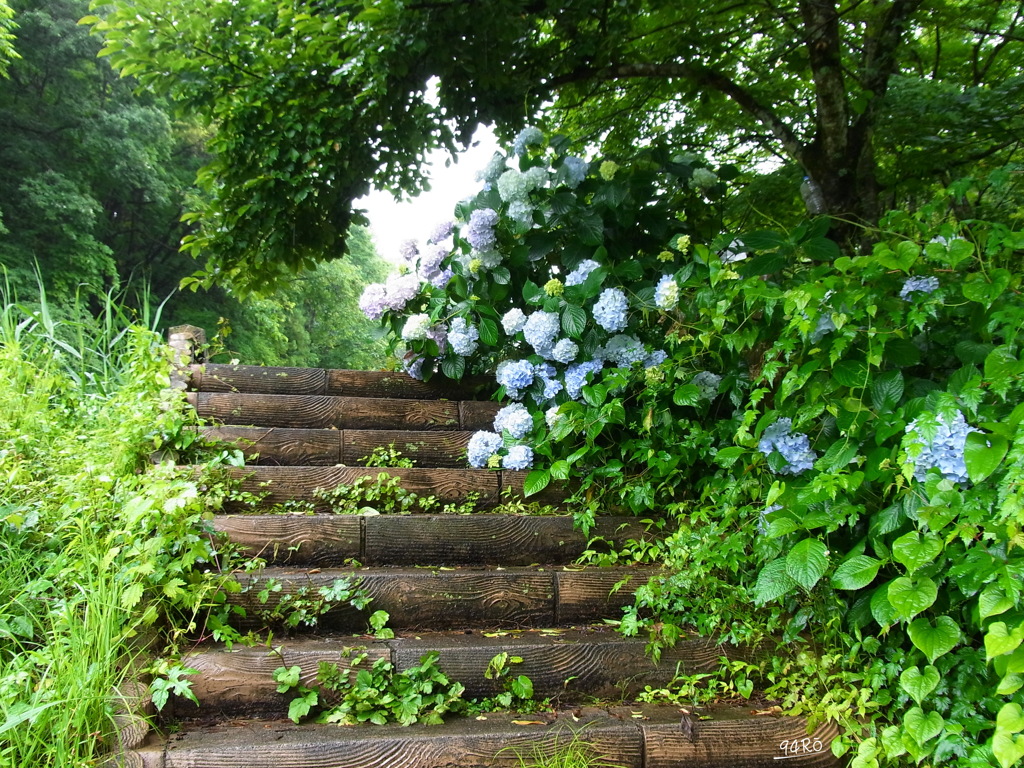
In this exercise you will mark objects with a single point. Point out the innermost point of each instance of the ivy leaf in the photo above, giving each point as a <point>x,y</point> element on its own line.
<point>934,640</point>
<point>911,596</point>
<point>913,551</point>
<point>807,562</point>
<point>922,727</point>
<point>772,582</point>
<point>983,454</point>
<point>919,685</point>
<point>856,573</point>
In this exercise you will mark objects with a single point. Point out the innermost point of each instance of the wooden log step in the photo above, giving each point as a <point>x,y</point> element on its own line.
<point>283,446</point>
<point>254,379</point>
<point>330,412</point>
<point>628,737</point>
<point>566,665</point>
<point>479,539</point>
<point>440,598</point>
<point>280,484</point>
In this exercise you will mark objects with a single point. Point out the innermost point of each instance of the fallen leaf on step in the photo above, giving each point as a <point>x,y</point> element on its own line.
<point>769,711</point>
<point>528,722</point>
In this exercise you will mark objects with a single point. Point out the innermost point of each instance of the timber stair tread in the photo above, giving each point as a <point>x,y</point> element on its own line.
<point>281,484</point>
<point>565,664</point>
<point>631,737</point>
<point>257,379</point>
<point>441,598</point>
<point>472,539</point>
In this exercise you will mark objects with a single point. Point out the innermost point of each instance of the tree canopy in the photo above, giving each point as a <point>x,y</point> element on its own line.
<point>311,101</point>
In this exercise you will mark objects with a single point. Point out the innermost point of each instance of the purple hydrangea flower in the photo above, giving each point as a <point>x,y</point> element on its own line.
<point>483,445</point>
<point>479,232</point>
<point>610,310</point>
<point>414,366</point>
<point>400,290</point>
<point>657,357</point>
<point>918,284</point>
<point>441,232</point>
<point>371,303</point>
<point>795,449</point>
<point>408,250</point>
<point>515,419</point>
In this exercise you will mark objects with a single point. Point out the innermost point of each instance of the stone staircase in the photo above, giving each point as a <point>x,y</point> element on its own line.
<point>468,586</point>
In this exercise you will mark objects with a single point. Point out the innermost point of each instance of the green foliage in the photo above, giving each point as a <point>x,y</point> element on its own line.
<point>7,37</point>
<point>572,752</point>
<point>385,495</point>
<point>303,607</point>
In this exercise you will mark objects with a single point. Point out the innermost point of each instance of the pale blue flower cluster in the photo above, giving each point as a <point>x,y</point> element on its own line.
<point>371,303</point>
<point>919,285</point>
<point>553,417</point>
<point>540,331</point>
<point>408,250</point>
<point>516,185</point>
<point>707,383</point>
<point>495,167</point>
<point>945,450</point>
<point>416,327</point>
<point>565,351</point>
<point>528,137</point>
<point>513,321</point>
<point>414,366</point>
<point>515,419</point>
<point>483,445</point>
<point>795,448</point>
<point>479,232</point>
<point>579,275</point>
<point>514,376</point>
<point>657,357</point>
<point>576,376</point>
<point>519,457</point>
<point>623,350</point>
<point>462,337</point>
<point>521,212</point>
<point>573,172</point>
<point>441,232</point>
<point>666,294</point>
<point>429,265</point>
<point>394,294</point>
<point>610,310</point>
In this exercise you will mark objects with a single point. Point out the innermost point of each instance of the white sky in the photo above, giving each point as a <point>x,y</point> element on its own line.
<point>393,222</point>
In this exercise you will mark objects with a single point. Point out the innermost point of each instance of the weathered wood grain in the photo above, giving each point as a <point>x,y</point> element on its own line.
<point>279,446</point>
<point>735,739</point>
<point>300,539</point>
<point>585,596</point>
<point>492,743</point>
<point>254,378</point>
<point>480,539</point>
<point>418,598</point>
<point>425,447</point>
<point>400,385</point>
<point>448,485</point>
<point>477,414</point>
<point>241,681</point>
<point>325,412</point>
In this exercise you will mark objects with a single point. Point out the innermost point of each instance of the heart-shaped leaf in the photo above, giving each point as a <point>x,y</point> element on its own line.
<point>1000,639</point>
<point>1006,744</point>
<point>994,600</point>
<point>934,640</point>
<point>911,596</point>
<point>922,727</point>
<point>917,684</point>
<point>913,551</point>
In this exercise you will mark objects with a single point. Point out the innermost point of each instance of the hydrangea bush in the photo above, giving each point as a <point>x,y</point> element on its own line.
<point>833,437</point>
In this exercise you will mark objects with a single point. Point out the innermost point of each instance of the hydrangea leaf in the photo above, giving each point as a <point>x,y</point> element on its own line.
<point>574,321</point>
<point>887,391</point>
<point>536,481</point>
<point>773,582</point>
<point>807,562</point>
<point>934,640</point>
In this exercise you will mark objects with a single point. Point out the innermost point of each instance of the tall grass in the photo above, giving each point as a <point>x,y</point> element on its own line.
<point>94,547</point>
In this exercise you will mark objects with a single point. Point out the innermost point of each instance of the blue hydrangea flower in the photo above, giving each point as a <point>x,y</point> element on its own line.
<point>573,172</point>
<point>515,419</point>
<point>553,417</point>
<point>513,321</point>
<point>441,232</point>
<point>576,376</point>
<point>795,449</point>
<point>495,167</point>
<point>519,457</point>
<point>462,337</point>
<point>408,250</point>
<point>944,451</point>
<point>514,376</point>
<point>483,445</point>
<point>565,351</point>
<point>416,327</point>
<point>479,232</point>
<point>371,303</point>
<point>707,382</point>
<point>528,137</point>
<point>918,284</point>
<point>822,328</point>
<point>623,350</point>
<point>400,290</point>
<point>579,275</point>
<point>657,357</point>
<point>540,331</point>
<point>414,366</point>
<point>610,309</point>
<point>666,294</point>
<point>440,280</point>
